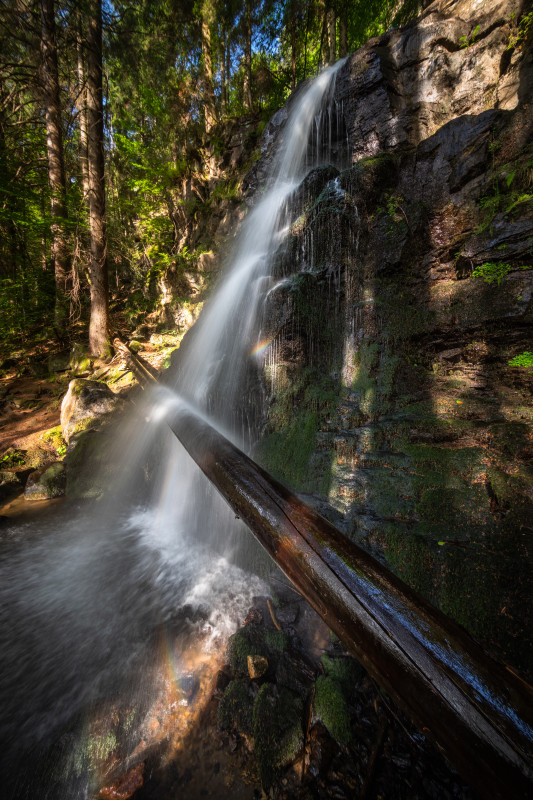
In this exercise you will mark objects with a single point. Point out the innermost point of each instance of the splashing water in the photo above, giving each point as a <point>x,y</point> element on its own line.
<point>83,598</point>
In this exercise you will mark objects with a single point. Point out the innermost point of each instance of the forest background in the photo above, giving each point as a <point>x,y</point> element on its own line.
<point>114,118</point>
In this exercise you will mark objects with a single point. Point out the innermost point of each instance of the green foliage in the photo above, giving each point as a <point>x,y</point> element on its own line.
<point>520,33</point>
<point>525,360</point>
<point>511,188</point>
<point>54,437</point>
<point>467,41</point>
<point>495,271</point>
<point>13,458</point>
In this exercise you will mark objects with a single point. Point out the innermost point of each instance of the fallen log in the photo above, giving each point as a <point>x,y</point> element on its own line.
<point>478,712</point>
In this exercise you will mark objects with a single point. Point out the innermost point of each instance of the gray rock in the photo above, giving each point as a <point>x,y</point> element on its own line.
<point>47,482</point>
<point>85,405</point>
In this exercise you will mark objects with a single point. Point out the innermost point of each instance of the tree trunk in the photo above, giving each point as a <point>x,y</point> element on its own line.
<point>248,102</point>
<point>343,31</point>
<point>322,56</point>
<point>56,164</point>
<point>222,56</point>
<point>207,65</point>
<point>82,118</point>
<point>98,327</point>
<point>228,68</point>
<point>332,36</point>
<point>293,47</point>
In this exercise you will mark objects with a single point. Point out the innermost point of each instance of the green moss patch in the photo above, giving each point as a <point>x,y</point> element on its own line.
<point>253,640</point>
<point>278,731</point>
<point>235,708</point>
<point>331,708</point>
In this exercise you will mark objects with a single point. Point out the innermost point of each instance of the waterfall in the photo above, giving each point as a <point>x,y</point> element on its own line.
<point>84,598</point>
<point>215,374</point>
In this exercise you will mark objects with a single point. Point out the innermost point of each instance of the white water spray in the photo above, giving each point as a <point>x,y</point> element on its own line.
<point>82,598</point>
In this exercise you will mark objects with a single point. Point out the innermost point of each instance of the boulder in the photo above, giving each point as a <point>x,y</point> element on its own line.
<point>85,405</point>
<point>9,484</point>
<point>59,362</point>
<point>47,482</point>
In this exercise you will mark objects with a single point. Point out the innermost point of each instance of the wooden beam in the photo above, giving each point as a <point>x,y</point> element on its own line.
<point>477,712</point>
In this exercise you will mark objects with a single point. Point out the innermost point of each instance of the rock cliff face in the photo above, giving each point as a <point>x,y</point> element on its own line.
<point>402,295</point>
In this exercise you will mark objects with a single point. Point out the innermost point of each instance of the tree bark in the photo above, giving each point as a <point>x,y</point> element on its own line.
<point>207,66</point>
<point>98,326</point>
<point>82,119</point>
<point>332,36</point>
<point>343,31</point>
<point>222,56</point>
<point>248,101</point>
<point>56,164</point>
<point>228,68</point>
<point>293,47</point>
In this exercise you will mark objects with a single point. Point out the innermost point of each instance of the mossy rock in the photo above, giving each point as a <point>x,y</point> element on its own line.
<point>86,405</point>
<point>90,464</point>
<point>253,640</point>
<point>46,483</point>
<point>344,669</point>
<point>235,710</point>
<point>54,437</point>
<point>330,707</point>
<point>512,438</point>
<point>277,730</point>
<point>13,458</point>
<point>9,484</point>
<point>454,511</point>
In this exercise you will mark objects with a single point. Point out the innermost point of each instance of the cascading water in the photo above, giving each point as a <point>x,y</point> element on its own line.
<point>84,602</point>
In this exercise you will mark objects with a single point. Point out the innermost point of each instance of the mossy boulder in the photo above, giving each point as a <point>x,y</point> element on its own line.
<point>235,710</point>
<point>277,730</point>
<point>90,464</point>
<point>344,669</point>
<point>331,708</point>
<point>47,482</point>
<point>252,640</point>
<point>85,406</point>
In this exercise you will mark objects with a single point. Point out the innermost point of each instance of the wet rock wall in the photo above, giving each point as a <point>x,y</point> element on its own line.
<point>401,294</point>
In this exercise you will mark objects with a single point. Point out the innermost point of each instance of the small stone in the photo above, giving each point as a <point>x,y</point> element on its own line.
<point>257,666</point>
<point>125,786</point>
<point>287,614</point>
<point>254,616</point>
<point>189,685</point>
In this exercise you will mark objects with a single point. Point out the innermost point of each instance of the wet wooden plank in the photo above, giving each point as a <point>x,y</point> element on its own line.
<point>478,713</point>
